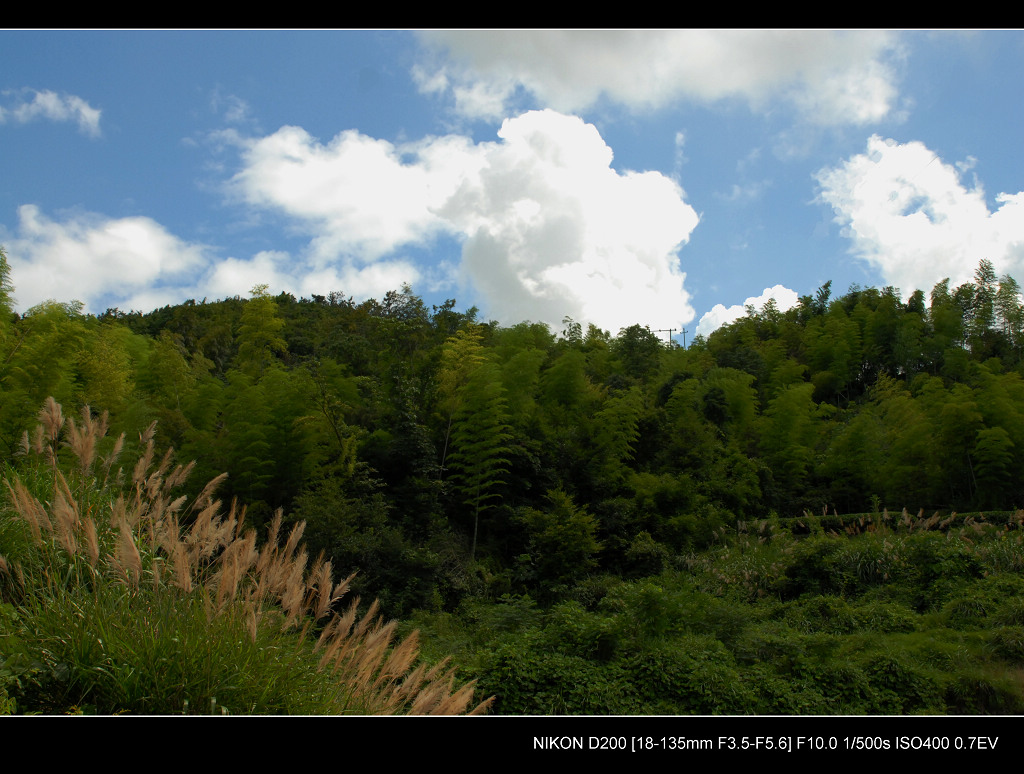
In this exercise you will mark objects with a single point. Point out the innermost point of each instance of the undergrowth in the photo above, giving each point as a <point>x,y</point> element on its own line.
<point>901,616</point>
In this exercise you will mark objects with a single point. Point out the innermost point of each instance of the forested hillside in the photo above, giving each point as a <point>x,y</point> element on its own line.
<point>633,508</point>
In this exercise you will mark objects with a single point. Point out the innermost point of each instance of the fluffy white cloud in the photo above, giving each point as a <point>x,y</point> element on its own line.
<point>720,315</point>
<point>911,217</point>
<point>54,107</point>
<point>553,230</point>
<point>355,194</point>
<point>134,263</point>
<point>91,258</point>
<point>832,77</point>
<point>284,273</point>
<point>548,227</point>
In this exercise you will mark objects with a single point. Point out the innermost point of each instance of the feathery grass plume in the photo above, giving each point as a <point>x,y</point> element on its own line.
<point>293,594</point>
<point>65,509</point>
<point>180,475</point>
<point>293,538</point>
<point>51,418</point>
<point>127,559</point>
<point>38,440</point>
<point>205,497</point>
<point>182,568</point>
<point>30,510</point>
<point>82,439</point>
<point>326,592</point>
<point>238,557</point>
<point>92,543</point>
<point>221,592</point>
<point>143,463</point>
<point>108,460</point>
<point>334,636</point>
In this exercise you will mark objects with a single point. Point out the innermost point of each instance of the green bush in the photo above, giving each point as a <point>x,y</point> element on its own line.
<point>527,678</point>
<point>693,674</point>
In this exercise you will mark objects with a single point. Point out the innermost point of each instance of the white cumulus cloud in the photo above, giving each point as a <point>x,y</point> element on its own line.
<point>721,315</point>
<point>542,226</point>
<point>552,230</point>
<point>354,194</point>
<point>53,107</point>
<point>91,258</point>
<point>135,263</point>
<point>910,216</point>
<point>547,227</point>
<point>831,77</point>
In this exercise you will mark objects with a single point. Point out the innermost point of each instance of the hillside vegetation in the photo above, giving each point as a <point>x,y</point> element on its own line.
<point>590,522</point>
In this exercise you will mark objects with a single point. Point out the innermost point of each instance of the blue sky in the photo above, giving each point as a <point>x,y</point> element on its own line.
<point>665,178</point>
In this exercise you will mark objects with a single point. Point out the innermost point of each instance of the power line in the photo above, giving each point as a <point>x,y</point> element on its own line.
<point>669,331</point>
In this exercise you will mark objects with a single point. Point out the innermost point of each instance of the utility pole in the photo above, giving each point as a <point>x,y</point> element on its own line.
<point>669,331</point>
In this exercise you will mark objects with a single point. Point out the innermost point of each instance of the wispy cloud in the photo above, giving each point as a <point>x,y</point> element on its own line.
<point>830,78</point>
<point>747,192</point>
<point>31,105</point>
<point>232,108</point>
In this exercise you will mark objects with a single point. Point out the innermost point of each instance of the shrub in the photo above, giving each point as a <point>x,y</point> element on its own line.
<point>527,678</point>
<point>693,674</point>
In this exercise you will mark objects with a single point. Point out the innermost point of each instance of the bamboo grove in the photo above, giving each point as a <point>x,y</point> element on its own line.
<point>449,461</point>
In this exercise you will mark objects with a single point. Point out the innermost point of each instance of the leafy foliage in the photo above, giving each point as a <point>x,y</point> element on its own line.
<point>457,463</point>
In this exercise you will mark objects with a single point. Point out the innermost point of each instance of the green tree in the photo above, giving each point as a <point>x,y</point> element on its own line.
<point>639,350</point>
<point>616,433</point>
<point>788,443</point>
<point>994,467</point>
<point>1010,312</point>
<point>461,355</point>
<point>40,361</point>
<point>480,441</point>
<point>565,389</point>
<point>105,368</point>
<point>249,435</point>
<point>6,308</point>
<point>259,334</point>
<point>955,419</point>
<point>563,539</point>
<point>894,447</point>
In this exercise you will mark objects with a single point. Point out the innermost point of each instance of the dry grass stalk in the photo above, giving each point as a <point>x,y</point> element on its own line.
<point>51,419</point>
<point>110,459</point>
<point>92,543</point>
<point>214,558</point>
<point>30,509</point>
<point>143,463</point>
<point>182,568</point>
<point>82,440</point>
<point>127,559</point>
<point>65,509</point>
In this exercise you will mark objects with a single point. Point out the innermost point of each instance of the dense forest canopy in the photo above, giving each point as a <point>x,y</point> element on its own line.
<point>410,437</point>
<point>447,459</point>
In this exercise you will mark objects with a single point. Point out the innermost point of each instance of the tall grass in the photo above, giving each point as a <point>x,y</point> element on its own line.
<point>117,595</point>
